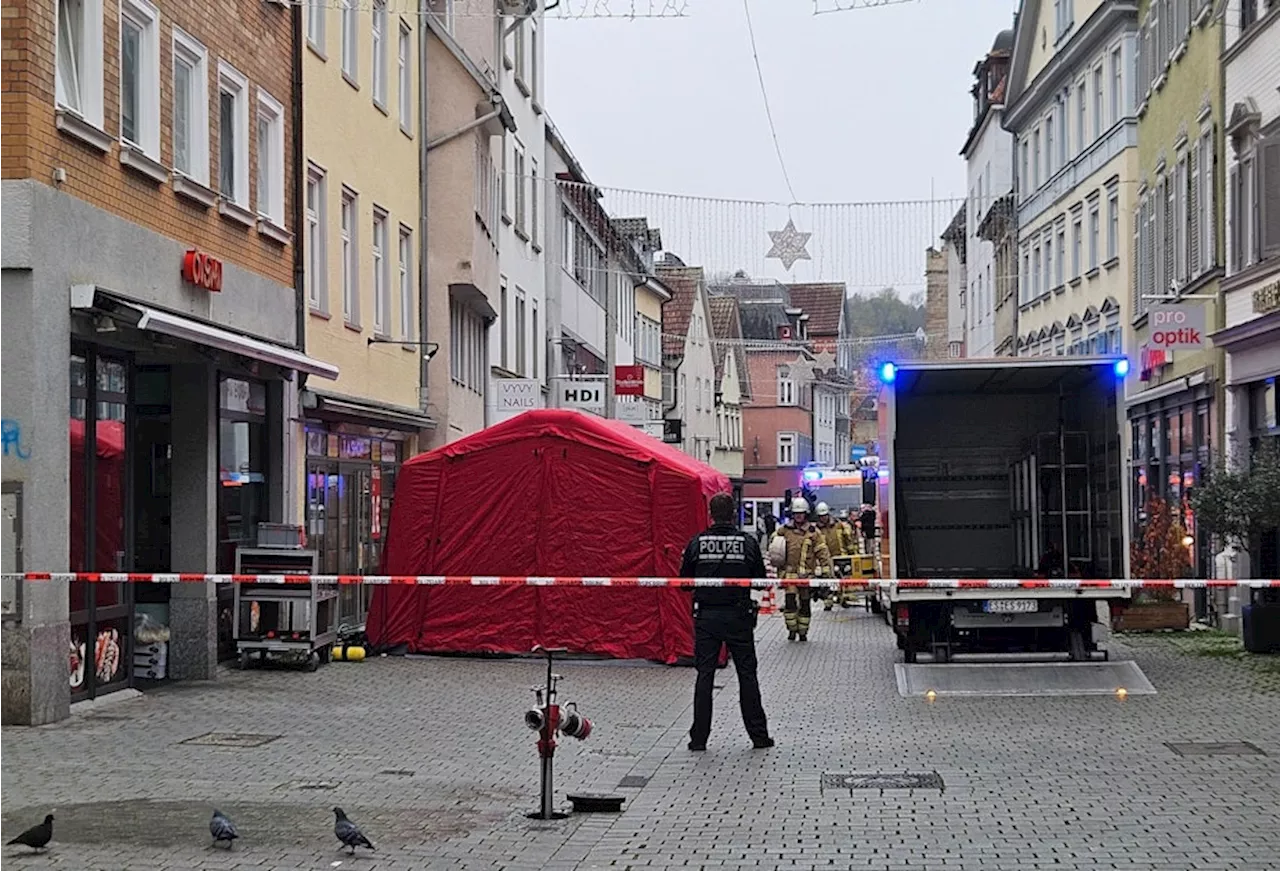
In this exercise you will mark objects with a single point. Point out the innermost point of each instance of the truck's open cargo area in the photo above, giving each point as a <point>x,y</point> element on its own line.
<point>992,463</point>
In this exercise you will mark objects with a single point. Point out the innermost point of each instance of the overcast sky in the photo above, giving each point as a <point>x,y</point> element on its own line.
<point>869,104</point>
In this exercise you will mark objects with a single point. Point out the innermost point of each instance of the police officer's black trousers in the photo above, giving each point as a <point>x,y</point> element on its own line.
<point>730,625</point>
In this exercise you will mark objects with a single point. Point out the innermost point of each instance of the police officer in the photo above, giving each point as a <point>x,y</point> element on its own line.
<point>724,615</point>
<point>800,552</point>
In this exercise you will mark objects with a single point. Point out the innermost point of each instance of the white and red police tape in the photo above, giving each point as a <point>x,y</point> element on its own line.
<point>757,583</point>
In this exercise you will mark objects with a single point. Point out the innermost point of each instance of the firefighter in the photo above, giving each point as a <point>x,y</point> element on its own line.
<point>800,552</point>
<point>839,543</point>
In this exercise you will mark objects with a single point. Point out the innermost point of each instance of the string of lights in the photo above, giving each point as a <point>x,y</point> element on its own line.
<point>825,7</point>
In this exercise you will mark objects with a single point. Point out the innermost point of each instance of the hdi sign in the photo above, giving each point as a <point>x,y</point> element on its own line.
<point>1176,327</point>
<point>583,395</point>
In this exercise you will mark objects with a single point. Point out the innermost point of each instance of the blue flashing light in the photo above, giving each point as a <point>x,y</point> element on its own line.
<point>1121,367</point>
<point>888,372</point>
<point>812,475</point>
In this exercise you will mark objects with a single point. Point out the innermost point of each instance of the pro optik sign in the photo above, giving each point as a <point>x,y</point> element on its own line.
<point>1177,327</point>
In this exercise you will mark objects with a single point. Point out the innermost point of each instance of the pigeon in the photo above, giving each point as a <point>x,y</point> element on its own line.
<point>222,829</point>
<point>348,832</point>
<point>36,837</point>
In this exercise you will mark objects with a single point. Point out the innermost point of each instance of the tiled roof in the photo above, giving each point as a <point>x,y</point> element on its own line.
<point>726,328</point>
<point>683,282</point>
<point>823,303</point>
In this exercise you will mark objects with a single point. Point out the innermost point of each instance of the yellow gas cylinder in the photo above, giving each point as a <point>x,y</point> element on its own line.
<point>344,653</point>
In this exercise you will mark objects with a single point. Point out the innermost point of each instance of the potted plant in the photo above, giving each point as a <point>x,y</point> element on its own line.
<point>1160,553</point>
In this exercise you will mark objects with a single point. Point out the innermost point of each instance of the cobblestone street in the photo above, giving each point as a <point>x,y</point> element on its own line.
<point>431,758</point>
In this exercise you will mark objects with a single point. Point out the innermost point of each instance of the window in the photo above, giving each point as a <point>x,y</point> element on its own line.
<point>1242,218</point>
<point>381,293</point>
<point>468,347</point>
<point>317,275</point>
<point>350,39</point>
<point>697,394</point>
<point>140,76</point>
<point>379,52</point>
<point>535,338</point>
<point>521,181</point>
<point>1036,285</point>
<point>1049,154</point>
<point>534,219</point>
<point>1064,122</point>
<point>1048,261</point>
<point>233,135</point>
<point>316,13</point>
<point>350,260</point>
<point>649,344</point>
<point>1180,271</point>
<point>520,57</point>
<point>1035,163</point>
<point>522,334</point>
<point>583,259</point>
<point>1062,254</point>
<point>1208,243</point>
<point>786,386</point>
<point>1063,17</point>
<point>404,76</point>
<point>1024,177</point>
<point>1077,243</point>
<point>1024,282</point>
<point>786,449</point>
<point>78,76</point>
<point>1117,83</point>
<point>1097,101</point>
<point>190,107</point>
<point>503,332</point>
<point>1081,113</point>
<point>1094,231</point>
<point>534,50</point>
<point>1113,224</point>
<point>503,199</point>
<point>487,186</point>
<point>270,159</point>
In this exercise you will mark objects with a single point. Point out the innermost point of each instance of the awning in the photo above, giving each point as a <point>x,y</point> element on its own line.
<point>88,296</point>
<point>475,299</point>
<point>366,411</point>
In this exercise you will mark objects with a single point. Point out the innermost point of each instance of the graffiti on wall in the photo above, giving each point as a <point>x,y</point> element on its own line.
<point>11,436</point>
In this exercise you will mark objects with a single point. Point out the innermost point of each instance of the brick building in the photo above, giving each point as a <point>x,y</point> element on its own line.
<point>151,311</point>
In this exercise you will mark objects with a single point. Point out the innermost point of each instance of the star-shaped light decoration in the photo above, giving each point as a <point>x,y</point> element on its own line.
<point>823,363</point>
<point>788,245</point>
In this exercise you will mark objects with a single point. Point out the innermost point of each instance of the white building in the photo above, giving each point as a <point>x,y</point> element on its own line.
<point>988,154</point>
<point>1251,335</point>
<point>954,243</point>
<point>689,358</point>
<point>1070,103</point>
<point>516,345</point>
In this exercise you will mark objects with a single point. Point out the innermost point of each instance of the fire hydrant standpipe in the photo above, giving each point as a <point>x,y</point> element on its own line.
<point>547,737</point>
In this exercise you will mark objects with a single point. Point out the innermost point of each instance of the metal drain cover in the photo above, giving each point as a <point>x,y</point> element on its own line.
<point>633,781</point>
<point>1214,748</point>
<point>231,739</point>
<point>882,781</point>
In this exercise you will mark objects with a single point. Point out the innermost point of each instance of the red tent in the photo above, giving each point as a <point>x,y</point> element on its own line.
<point>548,492</point>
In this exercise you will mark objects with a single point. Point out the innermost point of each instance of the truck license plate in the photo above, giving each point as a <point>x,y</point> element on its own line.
<point>1009,606</point>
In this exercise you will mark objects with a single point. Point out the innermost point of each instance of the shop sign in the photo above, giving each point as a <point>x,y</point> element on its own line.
<point>1177,327</point>
<point>518,394</point>
<point>582,395</point>
<point>628,381</point>
<point>202,270</point>
<point>673,431</point>
<point>1149,360</point>
<point>631,412</point>
<point>1266,298</point>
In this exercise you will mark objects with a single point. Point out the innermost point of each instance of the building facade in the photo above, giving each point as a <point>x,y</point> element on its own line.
<point>521,330</point>
<point>1250,336</point>
<point>732,387</point>
<point>988,155</point>
<point>955,261</point>
<point>461,180</point>
<point>1071,106</point>
<point>689,359</point>
<point>650,296</point>
<point>151,328</point>
<point>362,245</point>
<point>1175,416</point>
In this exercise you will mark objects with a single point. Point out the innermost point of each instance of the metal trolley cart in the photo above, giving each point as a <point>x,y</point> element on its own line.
<point>293,622</point>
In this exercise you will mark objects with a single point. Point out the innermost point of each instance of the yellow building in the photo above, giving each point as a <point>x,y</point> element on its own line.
<point>362,130</point>
<point>1070,104</point>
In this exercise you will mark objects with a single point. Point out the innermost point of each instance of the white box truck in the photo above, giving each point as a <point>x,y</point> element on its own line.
<point>1003,469</point>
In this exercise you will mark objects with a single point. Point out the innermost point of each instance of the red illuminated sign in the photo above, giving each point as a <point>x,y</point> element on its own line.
<point>628,380</point>
<point>202,270</point>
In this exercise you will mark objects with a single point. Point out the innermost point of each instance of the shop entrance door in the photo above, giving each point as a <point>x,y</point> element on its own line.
<point>102,529</point>
<point>339,507</point>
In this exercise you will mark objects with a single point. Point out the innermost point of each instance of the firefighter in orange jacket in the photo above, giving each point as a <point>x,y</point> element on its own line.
<point>799,550</point>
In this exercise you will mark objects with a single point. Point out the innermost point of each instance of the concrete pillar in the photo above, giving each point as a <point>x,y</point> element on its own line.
<point>193,608</point>
<point>36,400</point>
